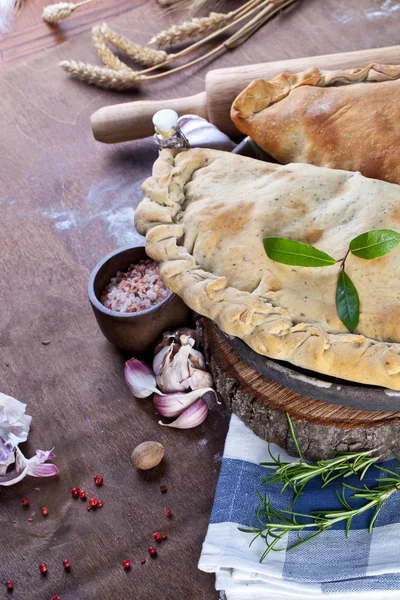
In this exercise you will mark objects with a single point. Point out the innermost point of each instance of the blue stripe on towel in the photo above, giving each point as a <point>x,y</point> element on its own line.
<point>236,499</point>
<point>368,584</point>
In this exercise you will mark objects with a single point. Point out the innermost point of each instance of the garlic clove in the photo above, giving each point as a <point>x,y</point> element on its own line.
<point>191,417</point>
<point>197,359</point>
<point>199,379</point>
<point>140,378</point>
<point>172,405</point>
<point>159,359</point>
<point>164,342</point>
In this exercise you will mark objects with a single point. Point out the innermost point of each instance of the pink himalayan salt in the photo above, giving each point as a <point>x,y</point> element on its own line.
<point>138,289</point>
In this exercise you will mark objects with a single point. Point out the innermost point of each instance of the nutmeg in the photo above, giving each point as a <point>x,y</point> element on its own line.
<point>147,455</point>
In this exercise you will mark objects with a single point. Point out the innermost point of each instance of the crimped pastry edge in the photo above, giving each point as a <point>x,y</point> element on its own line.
<point>262,93</point>
<point>268,330</point>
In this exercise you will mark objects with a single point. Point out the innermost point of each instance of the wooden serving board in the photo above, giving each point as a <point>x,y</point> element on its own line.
<point>321,427</point>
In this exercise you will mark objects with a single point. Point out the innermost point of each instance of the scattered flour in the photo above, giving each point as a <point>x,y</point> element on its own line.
<point>110,200</point>
<point>385,9</point>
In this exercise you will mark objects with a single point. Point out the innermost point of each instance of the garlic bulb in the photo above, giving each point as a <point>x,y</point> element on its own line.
<point>175,371</point>
<point>180,367</point>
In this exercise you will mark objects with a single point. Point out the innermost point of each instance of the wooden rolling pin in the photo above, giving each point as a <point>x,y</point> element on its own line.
<point>132,120</point>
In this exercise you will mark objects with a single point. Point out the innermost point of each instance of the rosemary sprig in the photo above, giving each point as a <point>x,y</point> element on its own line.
<point>275,524</point>
<point>297,474</point>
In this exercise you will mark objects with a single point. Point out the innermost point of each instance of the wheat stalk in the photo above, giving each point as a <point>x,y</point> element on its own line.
<point>107,56</point>
<point>101,76</point>
<point>57,12</point>
<point>272,8</point>
<point>245,12</point>
<point>191,5</point>
<point>192,28</point>
<point>269,9</point>
<point>259,10</point>
<point>143,56</point>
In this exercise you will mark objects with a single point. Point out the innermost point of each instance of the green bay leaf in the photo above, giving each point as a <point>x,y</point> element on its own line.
<point>347,302</point>
<point>297,254</point>
<point>376,243</point>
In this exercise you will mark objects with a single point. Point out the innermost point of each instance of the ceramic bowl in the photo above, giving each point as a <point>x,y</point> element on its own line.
<point>132,331</point>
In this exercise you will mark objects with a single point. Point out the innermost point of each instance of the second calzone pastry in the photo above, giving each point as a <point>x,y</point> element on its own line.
<point>205,216</point>
<point>348,119</point>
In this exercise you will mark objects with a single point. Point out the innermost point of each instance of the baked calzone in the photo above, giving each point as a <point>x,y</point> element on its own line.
<point>205,216</point>
<point>348,119</point>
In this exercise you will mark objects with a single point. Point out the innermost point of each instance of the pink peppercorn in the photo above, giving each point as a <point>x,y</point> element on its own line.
<point>92,503</point>
<point>10,585</point>
<point>43,568</point>
<point>152,551</point>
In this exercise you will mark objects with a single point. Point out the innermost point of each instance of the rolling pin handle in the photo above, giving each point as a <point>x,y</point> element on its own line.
<point>133,120</point>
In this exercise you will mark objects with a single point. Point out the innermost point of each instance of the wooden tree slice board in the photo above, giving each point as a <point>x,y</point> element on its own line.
<point>321,427</point>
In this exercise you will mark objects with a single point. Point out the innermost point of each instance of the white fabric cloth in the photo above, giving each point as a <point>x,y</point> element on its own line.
<point>362,567</point>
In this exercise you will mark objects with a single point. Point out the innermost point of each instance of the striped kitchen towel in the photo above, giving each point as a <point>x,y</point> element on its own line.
<point>363,566</point>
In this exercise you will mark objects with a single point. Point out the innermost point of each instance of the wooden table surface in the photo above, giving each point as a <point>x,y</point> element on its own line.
<point>66,201</point>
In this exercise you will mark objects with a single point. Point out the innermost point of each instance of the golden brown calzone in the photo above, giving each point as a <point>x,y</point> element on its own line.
<point>205,216</point>
<point>346,119</point>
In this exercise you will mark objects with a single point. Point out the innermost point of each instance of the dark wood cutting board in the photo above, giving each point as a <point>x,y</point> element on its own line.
<point>66,201</point>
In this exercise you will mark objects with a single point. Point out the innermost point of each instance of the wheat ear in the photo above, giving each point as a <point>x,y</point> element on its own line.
<point>107,56</point>
<point>190,29</point>
<point>101,76</point>
<point>57,12</point>
<point>146,57</point>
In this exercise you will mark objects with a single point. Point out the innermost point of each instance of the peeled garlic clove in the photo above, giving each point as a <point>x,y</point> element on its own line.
<point>147,455</point>
<point>202,134</point>
<point>140,378</point>
<point>172,405</point>
<point>191,417</point>
<point>199,379</point>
